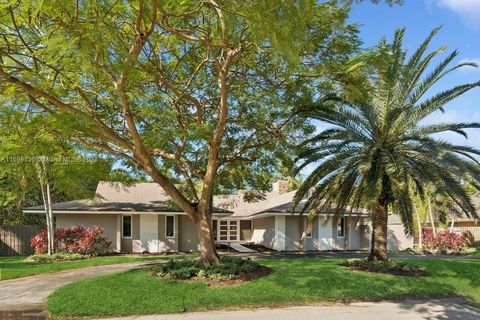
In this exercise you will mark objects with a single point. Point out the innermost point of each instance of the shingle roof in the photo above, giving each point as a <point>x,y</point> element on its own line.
<point>150,197</point>
<point>119,197</point>
<point>273,203</point>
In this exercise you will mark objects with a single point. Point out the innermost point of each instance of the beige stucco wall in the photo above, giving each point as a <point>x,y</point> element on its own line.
<point>107,221</point>
<point>294,227</point>
<point>396,238</point>
<point>187,237</point>
<point>357,236</point>
<point>264,231</point>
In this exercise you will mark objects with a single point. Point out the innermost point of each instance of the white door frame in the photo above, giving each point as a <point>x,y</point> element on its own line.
<point>149,233</point>
<point>325,232</point>
<point>229,231</point>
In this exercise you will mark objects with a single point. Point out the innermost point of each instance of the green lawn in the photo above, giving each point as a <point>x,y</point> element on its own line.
<point>15,267</point>
<point>295,281</point>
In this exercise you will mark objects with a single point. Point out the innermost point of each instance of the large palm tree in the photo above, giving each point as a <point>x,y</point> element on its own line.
<point>378,145</point>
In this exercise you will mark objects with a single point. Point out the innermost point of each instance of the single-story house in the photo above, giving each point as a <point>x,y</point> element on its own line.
<point>141,217</point>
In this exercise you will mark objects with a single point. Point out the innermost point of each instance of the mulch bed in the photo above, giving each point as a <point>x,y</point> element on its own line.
<point>399,270</point>
<point>263,271</point>
<point>408,273</point>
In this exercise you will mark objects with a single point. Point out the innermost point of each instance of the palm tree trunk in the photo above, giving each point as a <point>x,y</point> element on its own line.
<point>378,250</point>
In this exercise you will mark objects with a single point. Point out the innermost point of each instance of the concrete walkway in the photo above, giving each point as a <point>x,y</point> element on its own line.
<point>346,255</point>
<point>433,309</point>
<point>26,296</point>
<point>238,247</point>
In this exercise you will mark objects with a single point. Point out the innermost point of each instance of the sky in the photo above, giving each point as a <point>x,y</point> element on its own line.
<point>461,30</point>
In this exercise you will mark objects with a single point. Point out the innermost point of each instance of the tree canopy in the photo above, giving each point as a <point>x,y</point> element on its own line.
<point>25,141</point>
<point>197,94</point>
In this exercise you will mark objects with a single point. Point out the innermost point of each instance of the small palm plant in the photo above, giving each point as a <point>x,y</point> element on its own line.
<point>377,147</point>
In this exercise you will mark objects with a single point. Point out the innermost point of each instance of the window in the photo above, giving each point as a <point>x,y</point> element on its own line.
<point>169,226</point>
<point>127,227</point>
<point>341,228</point>
<point>308,228</point>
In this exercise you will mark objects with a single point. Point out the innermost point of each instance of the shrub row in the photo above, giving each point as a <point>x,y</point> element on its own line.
<point>44,258</point>
<point>77,239</point>
<point>183,269</point>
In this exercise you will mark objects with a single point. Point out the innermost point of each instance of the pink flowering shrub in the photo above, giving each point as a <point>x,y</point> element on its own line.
<point>39,242</point>
<point>76,239</point>
<point>444,240</point>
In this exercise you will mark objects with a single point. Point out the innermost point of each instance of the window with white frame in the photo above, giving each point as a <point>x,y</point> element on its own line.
<point>341,228</point>
<point>127,227</point>
<point>169,226</point>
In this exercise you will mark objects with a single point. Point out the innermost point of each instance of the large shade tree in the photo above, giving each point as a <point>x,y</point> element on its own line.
<point>196,94</point>
<point>379,150</point>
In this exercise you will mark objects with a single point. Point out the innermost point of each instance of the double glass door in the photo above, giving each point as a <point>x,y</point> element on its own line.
<point>227,230</point>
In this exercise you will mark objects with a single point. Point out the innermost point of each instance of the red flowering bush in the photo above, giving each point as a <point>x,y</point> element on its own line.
<point>92,242</point>
<point>39,242</point>
<point>443,241</point>
<point>76,239</point>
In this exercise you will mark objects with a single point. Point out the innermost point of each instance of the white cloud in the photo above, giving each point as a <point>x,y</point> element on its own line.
<point>468,10</point>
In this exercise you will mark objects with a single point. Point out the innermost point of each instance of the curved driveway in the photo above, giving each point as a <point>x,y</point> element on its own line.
<point>27,295</point>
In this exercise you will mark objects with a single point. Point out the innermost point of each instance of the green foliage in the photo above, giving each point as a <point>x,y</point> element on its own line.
<point>468,251</point>
<point>61,256</point>
<point>390,267</point>
<point>24,141</point>
<point>378,149</point>
<point>231,267</point>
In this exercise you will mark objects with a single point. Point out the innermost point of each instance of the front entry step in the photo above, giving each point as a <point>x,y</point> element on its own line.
<point>238,247</point>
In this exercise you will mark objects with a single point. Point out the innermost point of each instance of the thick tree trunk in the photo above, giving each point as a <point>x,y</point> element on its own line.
<point>208,252</point>
<point>378,250</point>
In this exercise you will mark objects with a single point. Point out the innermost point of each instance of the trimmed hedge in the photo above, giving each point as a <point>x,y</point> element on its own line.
<point>45,258</point>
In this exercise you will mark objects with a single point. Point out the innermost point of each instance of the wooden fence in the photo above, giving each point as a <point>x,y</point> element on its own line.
<point>474,230</point>
<point>15,240</point>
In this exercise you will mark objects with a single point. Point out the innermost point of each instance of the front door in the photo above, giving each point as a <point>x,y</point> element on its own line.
<point>228,230</point>
<point>148,233</point>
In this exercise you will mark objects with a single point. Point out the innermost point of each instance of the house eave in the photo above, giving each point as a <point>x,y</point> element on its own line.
<point>125,212</point>
<point>296,214</point>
